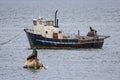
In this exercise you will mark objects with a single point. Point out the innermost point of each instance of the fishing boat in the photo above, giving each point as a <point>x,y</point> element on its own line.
<point>46,34</point>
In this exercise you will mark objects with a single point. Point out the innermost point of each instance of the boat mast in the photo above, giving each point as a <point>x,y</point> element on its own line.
<point>56,20</point>
<point>78,33</point>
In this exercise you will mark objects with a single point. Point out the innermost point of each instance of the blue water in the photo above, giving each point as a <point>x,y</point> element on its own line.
<point>80,64</point>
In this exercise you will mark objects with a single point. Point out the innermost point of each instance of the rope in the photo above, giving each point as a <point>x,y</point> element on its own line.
<point>3,43</point>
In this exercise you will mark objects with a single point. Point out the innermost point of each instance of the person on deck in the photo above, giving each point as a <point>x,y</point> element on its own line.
<point>92,32</point>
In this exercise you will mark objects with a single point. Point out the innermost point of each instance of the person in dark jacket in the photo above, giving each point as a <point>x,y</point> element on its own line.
<point>92,32</point>
<point>33,55</point>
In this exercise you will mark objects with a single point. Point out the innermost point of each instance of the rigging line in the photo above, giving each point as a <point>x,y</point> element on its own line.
<point>3,43</point>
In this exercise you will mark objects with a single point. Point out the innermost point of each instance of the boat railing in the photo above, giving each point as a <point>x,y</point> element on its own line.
<point>69,36</point>
<point>33,31</point>
<point>29,30</point>
<point>102,36</point>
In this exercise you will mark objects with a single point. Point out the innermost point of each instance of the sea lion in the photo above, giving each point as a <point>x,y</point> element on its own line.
<point>33,62</point>
<point>33,55</point>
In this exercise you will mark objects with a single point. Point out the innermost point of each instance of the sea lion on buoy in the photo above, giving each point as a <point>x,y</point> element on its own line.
<point>33,62</point>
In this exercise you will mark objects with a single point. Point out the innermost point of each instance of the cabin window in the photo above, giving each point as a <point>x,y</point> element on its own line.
<point>49,23</point>
<point>34,22</point>
<point>44,23</point>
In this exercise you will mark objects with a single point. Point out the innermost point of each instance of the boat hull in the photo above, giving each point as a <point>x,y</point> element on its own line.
<point>40,42</point>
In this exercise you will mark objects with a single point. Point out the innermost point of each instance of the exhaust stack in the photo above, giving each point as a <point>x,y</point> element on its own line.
<point>56,20</point>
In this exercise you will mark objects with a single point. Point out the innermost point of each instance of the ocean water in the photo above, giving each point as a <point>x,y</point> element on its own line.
<point>80,64</point>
